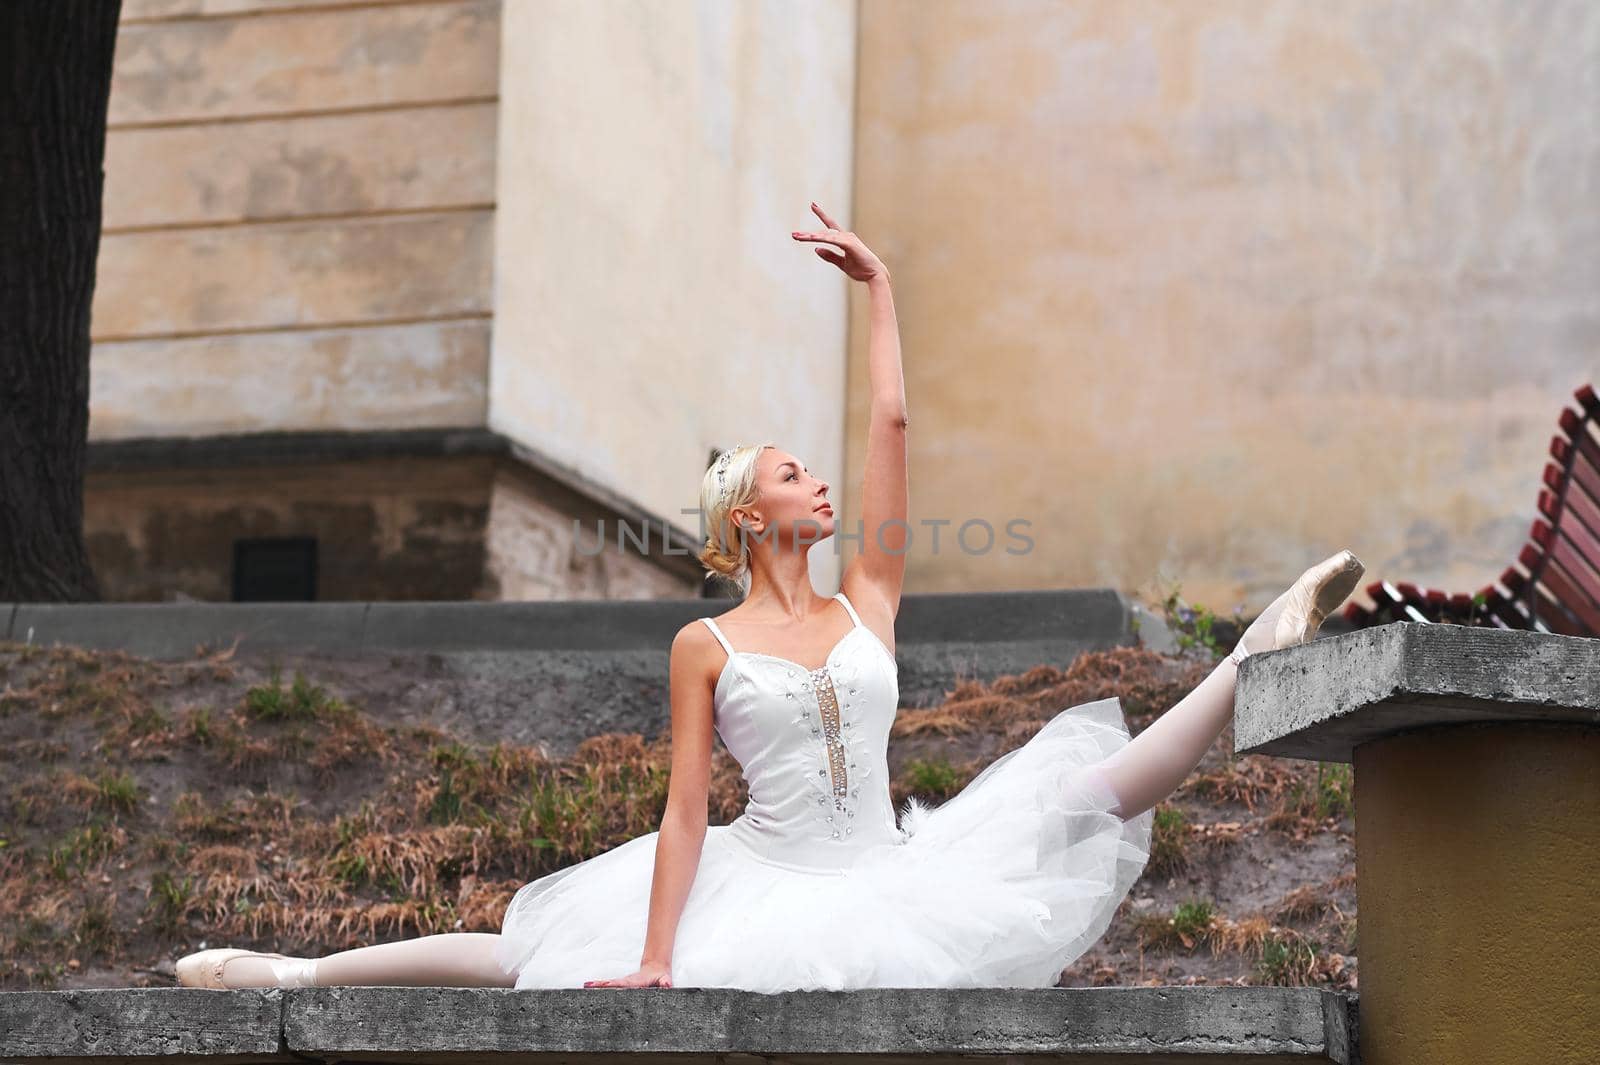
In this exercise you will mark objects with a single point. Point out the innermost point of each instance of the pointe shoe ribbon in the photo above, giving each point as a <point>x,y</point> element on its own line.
<point>1294,617</point>
<point>204,968</point>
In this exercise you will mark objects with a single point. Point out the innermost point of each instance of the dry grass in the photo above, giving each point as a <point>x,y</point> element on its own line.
<point>287,819</point>
<point>1280,955</point>
<point>1147,683</point>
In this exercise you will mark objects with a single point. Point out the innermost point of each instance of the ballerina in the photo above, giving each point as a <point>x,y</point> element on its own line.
<point>814,885</point>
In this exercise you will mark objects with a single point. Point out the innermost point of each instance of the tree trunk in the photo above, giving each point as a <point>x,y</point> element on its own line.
<point>55,82</point>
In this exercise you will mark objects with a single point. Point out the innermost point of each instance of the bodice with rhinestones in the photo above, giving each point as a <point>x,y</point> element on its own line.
<point>813,745</point>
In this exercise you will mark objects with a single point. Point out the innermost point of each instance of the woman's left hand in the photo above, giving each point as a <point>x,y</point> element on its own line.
<point>647,976</point>
<point>853,257</point>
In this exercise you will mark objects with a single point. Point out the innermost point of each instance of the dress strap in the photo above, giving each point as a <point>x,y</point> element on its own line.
<point>723,640</point>
<point>839,595</point>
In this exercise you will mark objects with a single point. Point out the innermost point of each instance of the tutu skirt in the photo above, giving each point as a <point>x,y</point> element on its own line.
<point>1002,885</point>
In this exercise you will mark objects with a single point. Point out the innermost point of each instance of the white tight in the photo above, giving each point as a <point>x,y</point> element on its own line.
<point>1154,762</point>
<point>449,959</point>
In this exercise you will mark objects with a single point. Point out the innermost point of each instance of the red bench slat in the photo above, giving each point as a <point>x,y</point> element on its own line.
<point>1581,472</point>
<point>1507,611</point>
<point>1578,502</point>
<point>1547,616</point>
<point>1562,451</point>
<point>1588,401</point>
<point>1561,588</point>
<point>1572,525</point>
<point>1578,570</point>
<point>1580,437</point>
<point>1584,541</point>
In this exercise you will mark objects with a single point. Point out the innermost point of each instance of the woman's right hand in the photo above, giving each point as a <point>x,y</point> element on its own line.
<point>853,257</point>
<point>647,976</point>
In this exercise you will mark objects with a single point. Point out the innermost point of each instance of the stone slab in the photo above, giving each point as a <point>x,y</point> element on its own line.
<point>1322,699</point>
<point>555,672</point>
<point>304,59</point>
<point>345,379</point>
<point>315,272</point>
<point>174,630</point>
<point>137,10</point>
<point>494,1025</point>
<point>404,159</point>
<point>146,1025</point>
<point>959,628</point>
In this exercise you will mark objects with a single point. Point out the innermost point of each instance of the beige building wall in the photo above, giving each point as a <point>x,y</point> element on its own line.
<point>1213,290</point>
<point>298,218</point>
<point>299,222</point>
<point>649,302</point>
<point>1198,292</point>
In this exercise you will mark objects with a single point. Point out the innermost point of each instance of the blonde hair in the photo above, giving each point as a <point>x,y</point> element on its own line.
<point>725,553</point>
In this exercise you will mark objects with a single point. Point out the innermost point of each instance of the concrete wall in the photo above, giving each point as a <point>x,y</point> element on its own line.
<point>404,527</point>
<point>385,529</point>
<point>649,302</point>
<point>1216,289</point>
<point>298,217</point>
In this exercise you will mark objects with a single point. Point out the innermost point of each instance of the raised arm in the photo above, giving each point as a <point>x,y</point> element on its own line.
<point>683,825</point>
<point>875,576</point>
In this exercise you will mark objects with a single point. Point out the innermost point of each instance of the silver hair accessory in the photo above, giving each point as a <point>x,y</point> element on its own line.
<point>722,463</point>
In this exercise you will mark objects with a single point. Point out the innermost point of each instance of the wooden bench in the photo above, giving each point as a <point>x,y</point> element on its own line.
<point>1557,587</point>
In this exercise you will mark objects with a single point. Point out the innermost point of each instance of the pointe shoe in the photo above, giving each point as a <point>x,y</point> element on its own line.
<point>1294,617</point>
<point>204,968</point>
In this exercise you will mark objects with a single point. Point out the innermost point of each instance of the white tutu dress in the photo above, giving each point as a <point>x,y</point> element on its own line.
<point>814,887</point>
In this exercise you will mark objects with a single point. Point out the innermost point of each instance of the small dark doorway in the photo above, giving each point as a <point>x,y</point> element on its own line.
<point>276,570</point>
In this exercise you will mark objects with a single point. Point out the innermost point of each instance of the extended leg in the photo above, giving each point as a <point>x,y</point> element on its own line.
<point>1154,762</point>
<point>449,959</point>
<point>1152,765</point>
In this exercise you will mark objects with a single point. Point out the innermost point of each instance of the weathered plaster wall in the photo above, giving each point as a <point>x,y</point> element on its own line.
<point>649,302</point>
<point>298,217</point>
<point>1212,290</point>
<point>471,527</point>
<point>385,529</point>
<point>541,544</point>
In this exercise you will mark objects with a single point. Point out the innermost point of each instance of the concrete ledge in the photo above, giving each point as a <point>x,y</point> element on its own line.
<point>443,1024</point>
<point>1322,699</point>
<point>624,642</point>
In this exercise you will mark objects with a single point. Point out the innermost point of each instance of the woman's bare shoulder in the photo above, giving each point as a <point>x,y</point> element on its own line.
<point>696,647</point>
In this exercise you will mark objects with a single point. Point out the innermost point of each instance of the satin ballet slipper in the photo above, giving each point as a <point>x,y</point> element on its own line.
<point>1294,617</point>
<point>204,968</point>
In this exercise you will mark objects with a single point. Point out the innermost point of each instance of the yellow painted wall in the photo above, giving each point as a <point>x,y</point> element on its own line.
<point>1477,857</point>
<point>1213,290</point>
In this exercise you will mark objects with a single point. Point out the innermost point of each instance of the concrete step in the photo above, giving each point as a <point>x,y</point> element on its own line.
<point>557,672</point>
<point>155,1026</point>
